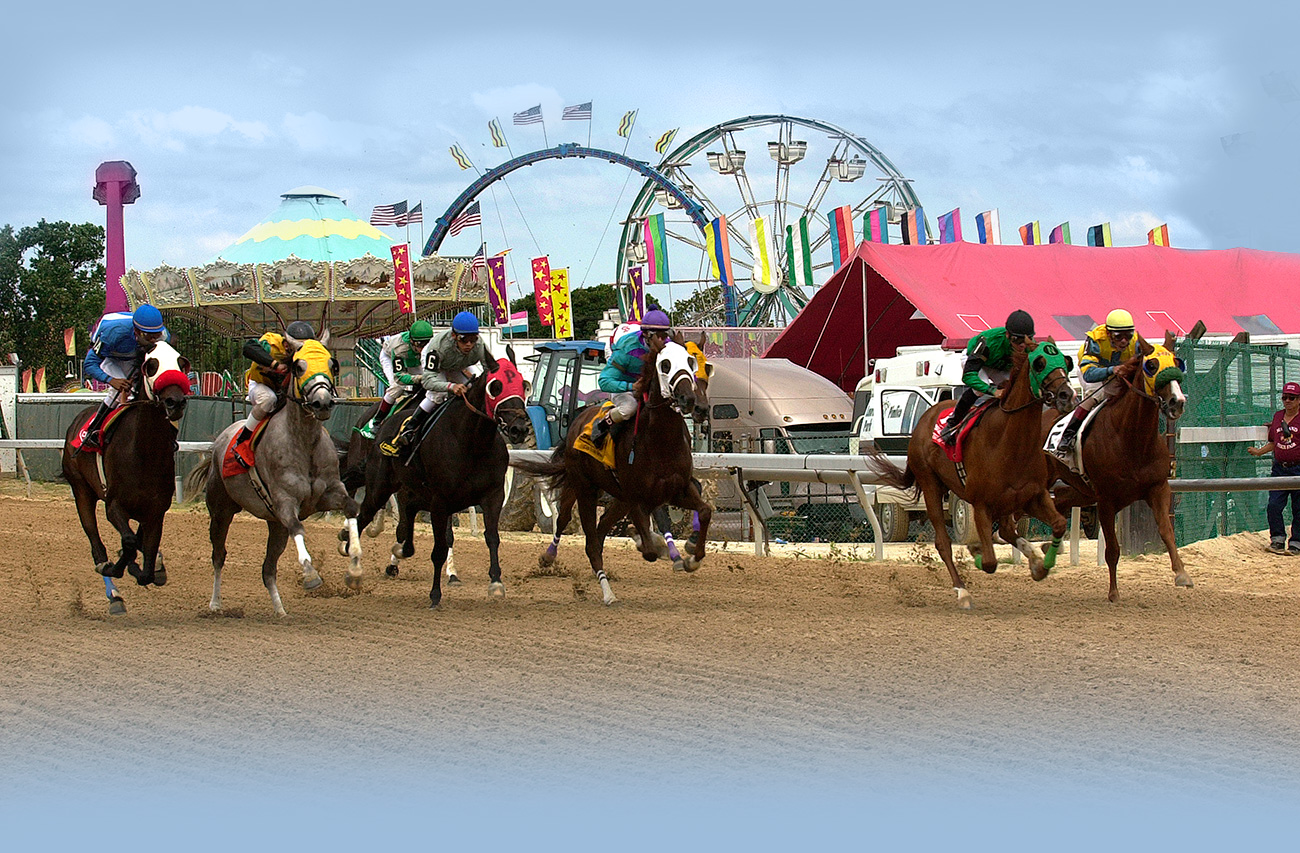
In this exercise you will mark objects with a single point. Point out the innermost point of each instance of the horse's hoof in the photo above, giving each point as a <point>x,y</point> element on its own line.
<point>497,589</point>
<point>159,576</point>
<point>1112,596</point>
<point>1183,579</point>
<point>343,549</point>
<point>693,564</point>
<point>373,530</point>
<point>397,550</point>
<point>141,577</point>
<point>679,565</point>
<point>546,560</point>
<point>116,607</point>
<point>1038,571</point>
<point>964,601</point>
<point>650,556</point>
<point>108,570</point>
<point>343,535</point>
<point>311,579</point>
<point>452,580</point>
<point>612,601</point>
<point>352,581</point>
<point>391,571</point>
<point>435,603</point>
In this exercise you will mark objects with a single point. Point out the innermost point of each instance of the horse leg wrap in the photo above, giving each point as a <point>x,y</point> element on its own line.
<point>672,546</point>
<point>979,564</point>
<point>1049,558</point>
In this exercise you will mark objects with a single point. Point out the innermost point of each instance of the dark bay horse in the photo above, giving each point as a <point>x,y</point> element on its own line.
<point>461,463</point>
<point>137,480</point>
<point>1004,464</point>
<point>653,465</point>
<point>297,471</point>
<point>1126,458</point>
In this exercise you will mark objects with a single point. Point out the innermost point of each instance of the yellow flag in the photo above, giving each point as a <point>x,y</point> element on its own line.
<point>560,303</point>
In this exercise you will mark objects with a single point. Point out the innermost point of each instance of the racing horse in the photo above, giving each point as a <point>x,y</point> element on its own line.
<point>461,462</point>
<point>1126,458</point>
<point>297,474</point>
<point>652,464</point>
<point>1004,465</point>
<point>135,473</point>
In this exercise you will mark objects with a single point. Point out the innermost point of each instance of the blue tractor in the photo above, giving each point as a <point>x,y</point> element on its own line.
<point>566,379</point>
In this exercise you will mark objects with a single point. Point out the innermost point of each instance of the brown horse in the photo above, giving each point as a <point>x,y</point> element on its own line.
<point>652,456</point>
<point>1125,458</point>
<point>1004,465</point>
<point>137,479</point>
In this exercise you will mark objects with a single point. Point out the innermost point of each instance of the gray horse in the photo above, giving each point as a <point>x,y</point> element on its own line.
<point>298,470</point>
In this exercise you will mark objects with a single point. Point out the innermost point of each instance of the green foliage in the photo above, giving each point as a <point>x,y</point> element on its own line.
<point>51,278</point>
<point>588,305</point>
<point>206,348</point>
<point>702,309</point>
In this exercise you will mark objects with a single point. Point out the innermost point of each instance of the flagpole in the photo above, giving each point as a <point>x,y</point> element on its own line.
<point>544,137</point>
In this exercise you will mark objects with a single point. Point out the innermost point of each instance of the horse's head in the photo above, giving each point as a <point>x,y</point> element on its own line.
<point>312,374</point>
<point>673,372</point>
<point>703,372</point>
<point>503,400</point>
<point>1163,375</point>
<point>1049,376</point>
<point>166,378</point>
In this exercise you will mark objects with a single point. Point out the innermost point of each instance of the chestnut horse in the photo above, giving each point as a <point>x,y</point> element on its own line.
<point>1004,465</point>
<point>1125,458</point>
<point>137,479</point>
<point>652,464</point>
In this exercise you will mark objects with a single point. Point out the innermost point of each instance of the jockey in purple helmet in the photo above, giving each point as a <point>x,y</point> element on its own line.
<point>624,368</point>
<point>116,351</point>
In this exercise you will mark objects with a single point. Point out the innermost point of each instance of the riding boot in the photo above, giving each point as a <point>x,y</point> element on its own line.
<point>600,430</point>
<point>407,433</point>
<point>96,426</point>
<point>1071,431</point>
<point>949,434</point>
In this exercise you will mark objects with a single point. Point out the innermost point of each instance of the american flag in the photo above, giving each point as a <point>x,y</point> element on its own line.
<point>479,261</point>
<point>581,112</point>
<point>415,216</point>
<point>388,214</point>
<point>471,215</point>
<point>532,115</point>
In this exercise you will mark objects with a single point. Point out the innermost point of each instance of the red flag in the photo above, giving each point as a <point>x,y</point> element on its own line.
<point>402,278</point>
<point>27,381</point>
<point>40,379</point>
<point>542,290</point>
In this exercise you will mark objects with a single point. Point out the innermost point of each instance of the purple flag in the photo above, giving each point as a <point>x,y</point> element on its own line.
<point>497,289</point>
<point>636,309</point>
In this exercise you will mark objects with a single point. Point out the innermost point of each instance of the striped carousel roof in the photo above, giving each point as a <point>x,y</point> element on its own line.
<point>313,224</point>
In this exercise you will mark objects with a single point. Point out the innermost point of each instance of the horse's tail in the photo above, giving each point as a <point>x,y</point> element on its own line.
<point>196,480</point>
<point>553,471</point>
<point>879,464</point>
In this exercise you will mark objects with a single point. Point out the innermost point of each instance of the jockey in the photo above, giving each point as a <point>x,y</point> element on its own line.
<point>451,359</point>
<point>266,378</point>
<point>1104,348</point>
<point>115,355</point>
<point>624,368</point>
<point>400,357</point>
<point>988,365</point>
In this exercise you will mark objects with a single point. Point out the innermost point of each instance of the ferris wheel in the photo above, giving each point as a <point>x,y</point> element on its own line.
<point>814,168</point>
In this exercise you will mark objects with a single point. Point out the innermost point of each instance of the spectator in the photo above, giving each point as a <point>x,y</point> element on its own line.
<point>1284,442</point>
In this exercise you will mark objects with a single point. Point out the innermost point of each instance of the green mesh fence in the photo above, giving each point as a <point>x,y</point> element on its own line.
<point>1228,385</point>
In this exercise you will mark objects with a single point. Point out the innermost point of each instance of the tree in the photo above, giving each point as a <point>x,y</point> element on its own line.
<point>51,278</point>
<point>703,309</point>
<point>587,303</point>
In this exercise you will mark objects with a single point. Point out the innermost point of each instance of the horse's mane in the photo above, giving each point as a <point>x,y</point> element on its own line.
<point>649,374</point>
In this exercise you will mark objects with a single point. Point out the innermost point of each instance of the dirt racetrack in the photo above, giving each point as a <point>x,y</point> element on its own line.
<point>820,671</point>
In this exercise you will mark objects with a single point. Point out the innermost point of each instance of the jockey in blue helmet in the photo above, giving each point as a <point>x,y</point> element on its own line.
<point>117,349</point>
<point>451,359</point>
<point>624,368</point>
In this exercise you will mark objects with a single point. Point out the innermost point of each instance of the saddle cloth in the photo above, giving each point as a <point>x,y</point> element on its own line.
<point>604,453</point>
<point>230,464</point>
<point>954,453</point>
<point>79,440</point>
<point>1071,459</point>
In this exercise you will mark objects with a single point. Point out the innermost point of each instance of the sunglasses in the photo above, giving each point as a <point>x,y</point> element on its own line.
<point>1290,397</point>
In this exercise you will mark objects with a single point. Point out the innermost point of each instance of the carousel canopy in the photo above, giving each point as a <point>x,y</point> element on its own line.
<point>312,259</point>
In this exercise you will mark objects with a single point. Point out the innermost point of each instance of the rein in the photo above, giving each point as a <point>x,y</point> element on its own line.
<point>1034,399</point>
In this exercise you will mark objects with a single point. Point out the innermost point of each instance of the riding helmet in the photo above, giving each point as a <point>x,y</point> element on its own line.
<point>656,321</point>
<point>421,331</point>
<point>301,330</point>
<point>464,323</point>
<point>1020,323</point>
<point>147,319</point>
<point>1119,320</point>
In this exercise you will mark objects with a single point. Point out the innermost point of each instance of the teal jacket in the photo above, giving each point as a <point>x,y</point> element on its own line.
<point>625,362</point>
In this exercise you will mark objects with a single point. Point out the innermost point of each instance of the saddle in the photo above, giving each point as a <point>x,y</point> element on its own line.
<point>79,441</point>
<point>583,442</point>
<point>975,415</point>
<point>1072,460</point>
<point>230,464</point>
<point>412,450</point>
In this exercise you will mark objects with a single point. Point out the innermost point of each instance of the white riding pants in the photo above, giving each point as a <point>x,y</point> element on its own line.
<point>263,398</point>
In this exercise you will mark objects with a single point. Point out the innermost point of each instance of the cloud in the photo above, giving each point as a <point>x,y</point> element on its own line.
<point>174,130</point>
<point>90,132</point>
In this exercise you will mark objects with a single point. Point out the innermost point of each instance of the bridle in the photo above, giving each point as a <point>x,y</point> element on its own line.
<point>1041,398</point>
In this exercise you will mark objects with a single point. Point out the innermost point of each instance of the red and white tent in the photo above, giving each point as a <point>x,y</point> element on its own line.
<point>917,295</point>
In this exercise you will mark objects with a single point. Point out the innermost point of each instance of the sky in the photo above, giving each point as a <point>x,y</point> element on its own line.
<point>1159,113</point>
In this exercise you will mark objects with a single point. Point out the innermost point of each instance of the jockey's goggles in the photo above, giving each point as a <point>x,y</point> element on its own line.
<point>1020,339</point>
<point>1121,334</point>
<point>468,338</point>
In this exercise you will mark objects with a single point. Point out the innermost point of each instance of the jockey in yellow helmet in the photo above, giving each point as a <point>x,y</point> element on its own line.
<point>1104,348</point>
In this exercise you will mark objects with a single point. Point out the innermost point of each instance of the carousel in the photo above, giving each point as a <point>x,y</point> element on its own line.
<point>312,259</point>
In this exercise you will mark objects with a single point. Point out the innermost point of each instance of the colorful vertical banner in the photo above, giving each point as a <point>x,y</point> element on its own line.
<point>798,254</point>
<point>914,227</point>
<point>875,225</point>
<point>1031,234</point>
<point>39,380</point>
<point>27,381</point>
<point>765,279</point>
<point>1060,234</point>
<point>950,226</point>
<point>560,303</point>
<point>636,308</point>
<point>656,250</point>
<point>70,342</point>
<point>498,135</point>
<point>661,147</point>
<point>458,154</point>
<point>402,278</point>
<point>989,228</point>
<point>841,223</point>
<point>1159,236</point>
<point>542,290</point>
<point>496,267</point>
<point>717,245</point>
<point>1099,235</point>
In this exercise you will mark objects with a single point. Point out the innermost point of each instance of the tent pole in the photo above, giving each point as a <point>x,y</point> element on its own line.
<point>866,360</point>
